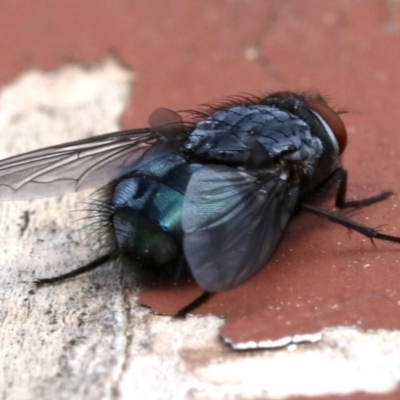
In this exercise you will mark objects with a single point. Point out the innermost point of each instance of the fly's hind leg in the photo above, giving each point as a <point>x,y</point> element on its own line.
<point>79,271</point>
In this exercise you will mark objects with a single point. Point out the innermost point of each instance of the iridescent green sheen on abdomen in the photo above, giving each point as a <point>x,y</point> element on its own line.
<point>148,208</point>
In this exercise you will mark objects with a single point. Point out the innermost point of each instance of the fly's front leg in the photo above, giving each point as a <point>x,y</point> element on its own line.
<point>367,231</point>
<point>341,175</point>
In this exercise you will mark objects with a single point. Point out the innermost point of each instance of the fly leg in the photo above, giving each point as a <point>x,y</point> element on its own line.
<point>79,271</point>
<point>197,302</point>
<point>367,231</point>
<point>341,175</point>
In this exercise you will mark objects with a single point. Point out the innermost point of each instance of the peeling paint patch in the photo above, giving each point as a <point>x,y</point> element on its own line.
<point>274,344</point>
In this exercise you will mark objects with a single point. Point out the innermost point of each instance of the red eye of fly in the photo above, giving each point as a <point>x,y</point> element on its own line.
<point>331,118</point>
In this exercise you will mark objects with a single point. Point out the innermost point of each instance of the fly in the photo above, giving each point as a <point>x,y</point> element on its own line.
<point>213,194</point>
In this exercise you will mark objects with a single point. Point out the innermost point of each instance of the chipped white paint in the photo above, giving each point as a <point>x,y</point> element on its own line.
<point>275,344</point>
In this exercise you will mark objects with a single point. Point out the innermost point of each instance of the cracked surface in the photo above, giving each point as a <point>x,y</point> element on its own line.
<point>59,333</point>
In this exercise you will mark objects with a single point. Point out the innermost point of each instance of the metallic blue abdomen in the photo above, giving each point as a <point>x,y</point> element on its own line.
<point>147,207</point>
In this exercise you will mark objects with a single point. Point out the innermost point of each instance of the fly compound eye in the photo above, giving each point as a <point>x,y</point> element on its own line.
<point>332,120</point>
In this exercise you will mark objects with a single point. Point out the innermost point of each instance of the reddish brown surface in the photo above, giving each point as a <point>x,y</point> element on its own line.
<point>320,277</point>
<point>186,53</point>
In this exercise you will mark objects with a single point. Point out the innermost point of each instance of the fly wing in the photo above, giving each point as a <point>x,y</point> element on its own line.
<point>232,224</point>
<point>73,166</point>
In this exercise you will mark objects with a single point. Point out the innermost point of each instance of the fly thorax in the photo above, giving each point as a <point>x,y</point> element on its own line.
<point>228,135</point>
<point>305,158</point>
<point>295,160</point>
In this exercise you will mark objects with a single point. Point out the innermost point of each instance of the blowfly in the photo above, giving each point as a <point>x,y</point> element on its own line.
<point>212,194</point>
